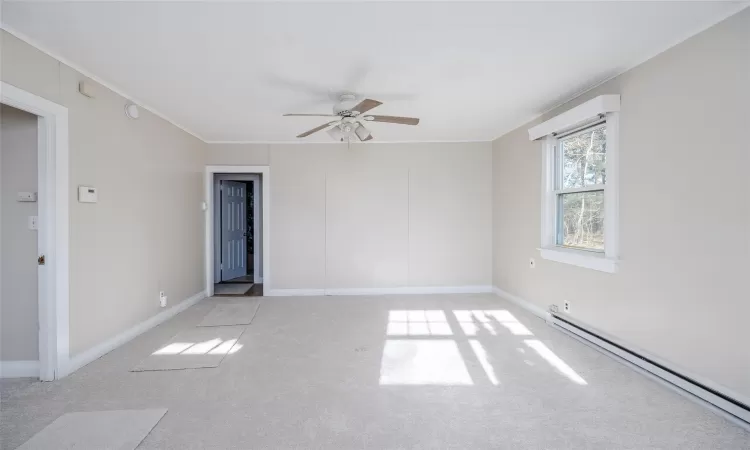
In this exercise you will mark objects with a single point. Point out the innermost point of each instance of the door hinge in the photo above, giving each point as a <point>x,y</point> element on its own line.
<point>40,260</point>
<point>221,266</point>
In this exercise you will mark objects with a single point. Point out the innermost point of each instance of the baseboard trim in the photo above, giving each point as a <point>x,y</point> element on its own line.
<point>640,361</point>
<point>382,291</point>
<point>525,304</point>
<point>296,292</point>
<point>19,369</point>
<point>107,346</point>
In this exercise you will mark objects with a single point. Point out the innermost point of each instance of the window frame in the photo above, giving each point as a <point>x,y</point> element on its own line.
<point>607,260</point>
<point>559,162</point>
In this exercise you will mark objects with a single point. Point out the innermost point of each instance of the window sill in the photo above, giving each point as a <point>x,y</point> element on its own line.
<point>580,258</point>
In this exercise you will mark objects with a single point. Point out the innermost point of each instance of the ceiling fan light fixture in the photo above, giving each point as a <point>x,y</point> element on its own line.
<point>351,117</point>
<point>362,133</point>
<point>336,134</point>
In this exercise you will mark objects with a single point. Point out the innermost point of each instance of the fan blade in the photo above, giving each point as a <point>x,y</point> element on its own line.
<point>366,105</point>
<point>396,119</point>
<point>309,115</point>
<point>314,130</point>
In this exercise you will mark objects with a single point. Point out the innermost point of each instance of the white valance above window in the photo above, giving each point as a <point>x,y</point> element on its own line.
<point>576,117</point>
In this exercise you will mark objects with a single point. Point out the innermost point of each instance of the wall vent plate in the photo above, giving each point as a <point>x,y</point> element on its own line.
<point>87,194</point>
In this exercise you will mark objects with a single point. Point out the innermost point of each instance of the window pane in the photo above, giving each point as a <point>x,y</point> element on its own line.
<point>582,220</point>
<point>583,156</point>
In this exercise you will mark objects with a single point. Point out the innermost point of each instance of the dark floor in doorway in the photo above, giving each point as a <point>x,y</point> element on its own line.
<point>243,279</point>
<point>255,290</point>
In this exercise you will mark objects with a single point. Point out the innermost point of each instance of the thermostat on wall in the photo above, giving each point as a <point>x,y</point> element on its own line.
<point>87,194</point>
<point>26,196</point>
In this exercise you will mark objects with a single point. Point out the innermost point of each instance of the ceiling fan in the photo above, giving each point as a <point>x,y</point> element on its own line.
<point>351,118</point>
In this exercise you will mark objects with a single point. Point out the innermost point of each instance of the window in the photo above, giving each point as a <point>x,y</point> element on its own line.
<point>579,198</point>
<point>580,179</point>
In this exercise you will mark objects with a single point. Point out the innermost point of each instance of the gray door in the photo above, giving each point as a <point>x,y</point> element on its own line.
<point>233,227</point>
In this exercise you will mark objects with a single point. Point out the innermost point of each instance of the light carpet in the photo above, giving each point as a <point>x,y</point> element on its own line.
<point>194,348</point>
<point>101,430</point>
<point>239,312</point>
<point>348,373</point>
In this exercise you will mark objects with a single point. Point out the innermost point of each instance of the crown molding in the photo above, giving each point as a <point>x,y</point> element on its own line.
<point>650,55</point>
<point>730,12</point>
<point>117,90</point>
<point>353,143</point>
<point>86,73</point>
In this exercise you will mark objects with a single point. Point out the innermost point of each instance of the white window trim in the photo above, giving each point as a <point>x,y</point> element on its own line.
<point>589,112</point>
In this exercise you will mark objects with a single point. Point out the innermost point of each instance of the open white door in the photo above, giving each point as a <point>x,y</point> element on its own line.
<point>233,230</point>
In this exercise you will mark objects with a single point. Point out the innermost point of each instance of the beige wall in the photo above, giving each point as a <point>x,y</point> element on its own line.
<point>239,154</point>
<point>375,216</point>
<point>681,292</point>
<point>145,234</point>
<point>19,338</point>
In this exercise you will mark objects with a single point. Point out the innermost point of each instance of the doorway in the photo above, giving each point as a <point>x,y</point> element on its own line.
<point>35,211</point>
<point>237,216</point>
<point>19,294</point>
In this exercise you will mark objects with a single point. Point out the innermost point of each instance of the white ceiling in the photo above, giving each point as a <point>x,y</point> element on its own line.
<point>228,71</point>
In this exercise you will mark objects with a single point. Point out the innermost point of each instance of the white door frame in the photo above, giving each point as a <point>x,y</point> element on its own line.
<point>53,242</point>
<point>265,173</point>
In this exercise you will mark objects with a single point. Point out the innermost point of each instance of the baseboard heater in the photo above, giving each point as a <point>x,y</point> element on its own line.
<point>732,408</point>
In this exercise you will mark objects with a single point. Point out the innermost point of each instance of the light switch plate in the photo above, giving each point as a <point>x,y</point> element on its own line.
<point>33,222</point>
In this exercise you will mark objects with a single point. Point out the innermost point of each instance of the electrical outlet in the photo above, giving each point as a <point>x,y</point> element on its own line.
<point>566,306</point>
<point>532,263</point>
<point>162,299</point>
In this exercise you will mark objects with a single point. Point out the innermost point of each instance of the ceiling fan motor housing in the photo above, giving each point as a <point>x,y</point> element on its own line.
<point>345,104</point>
